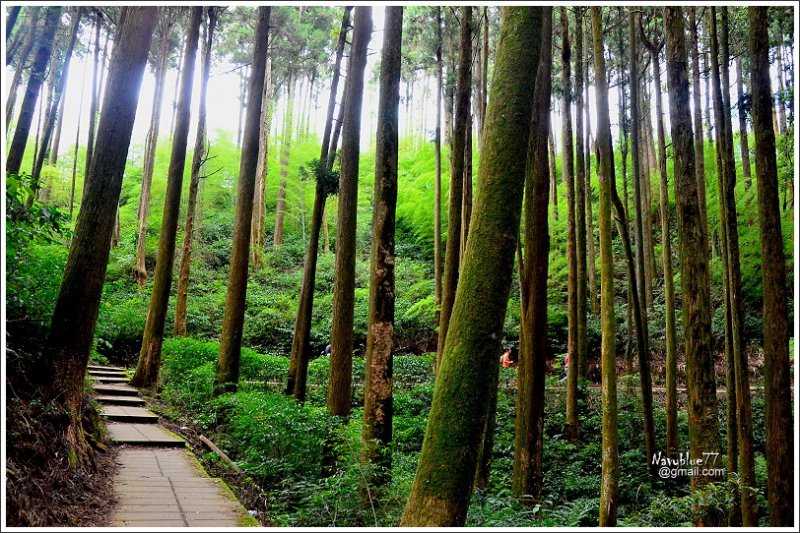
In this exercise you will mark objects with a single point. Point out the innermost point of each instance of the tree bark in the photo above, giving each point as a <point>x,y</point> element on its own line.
<point>151,143</point>
<point>198,159</point>
<point>38,71</point>
<point>529,427</point>
<point>231,339</point>
<point>377,428</point>
<point>453,245</point>
<point>25,52</point>
<point>571,426</point>
<point>640,314</point>
<point>341,373</point>
<point>443,484</point>
<point>699,154</point>
<point>95,92</point>
<point>594,297</point>
<point>553,184</point>
<point>258,230</point>
<point>609,479</point>
<point>72,327</point>
<point>693,246</point>
<point>743,144</point>
<point>59,83</point>
<point>466,196</point>
<point>147,368</point>
<point>582,359</point>
<point>777,365</point>
<point>437,147</point>
<point>301,340</point>
<point>280,204</point>
<point>670,336</point>
<point>729,220</point>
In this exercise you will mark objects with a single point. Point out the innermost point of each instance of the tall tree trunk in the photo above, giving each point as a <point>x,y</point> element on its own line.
<point>341,372</point>
<point>781,95</point>
<point>594,296</point>
<point>377,429</point>
<point>75,151</point>
<point>699,154</point>
<point>693,246</point>
<point>59,83</point>
<point>280,204</point>
<point>743,144</point>
<point>642,341</point>
<point>777,365</point>
<point>57,133</point>
<point>670,336</point>
<point>25,52</point>
<point>582,360</point>
<point>38,71</point>
<point>729,220</point>
<point>11,20</point>
<point>441,491</point>
<point>258,230</point>
<point>95,92</point>
<point>632,300</point>
<point>571,428</point>
<point>609,479</point>
<point>147,368</point>
<point>72,328</point>
<point>646,198</point>
<point>198,159</point>
<point>301,340</point>
<point>466,193</point>
<point>151,143</point>
<point>453,245</point>
<point>233,320</point>
<point>529,427</point>
<point>553,183</point>
<point>437,147</point>
<point>709,112</point>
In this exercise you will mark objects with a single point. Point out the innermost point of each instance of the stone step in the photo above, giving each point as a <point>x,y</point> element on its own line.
<point>109,379</point>
<point>116,389</point>
<point>122,413</point>
<point>150,435</point>
<point>109,368</point>
<point>108,373</point>
<point>119,400</point>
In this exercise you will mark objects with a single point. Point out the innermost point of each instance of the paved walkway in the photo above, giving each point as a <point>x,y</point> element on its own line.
<point>159,482</point>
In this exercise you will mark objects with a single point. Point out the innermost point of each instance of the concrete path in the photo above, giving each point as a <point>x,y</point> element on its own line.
<point>159,482</point>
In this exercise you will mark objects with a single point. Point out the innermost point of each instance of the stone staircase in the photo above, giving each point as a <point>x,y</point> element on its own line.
<point>159,483</point>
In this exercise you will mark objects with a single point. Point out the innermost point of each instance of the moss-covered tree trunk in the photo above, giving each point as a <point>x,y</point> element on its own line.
<point>288,132</point>
<point>594,296</point>
<point>744,426</point>
<point>699,156</point>
<point>258,229</point>
<point>670,336</point>
<point>233,320</point>
<point>777,365</point>
<point>551,143</point>
<point>580,204</point>
<point>466,196</point>
<point>529,426</point>
<point>609,479</point>
<point>301,340</point>
<point>443,484</point>
<point>741,104</point>
<point>69,341</point>
<point>642,247</point>
<point>22,131</point>
<point>377,428</point>
<point>198,159</point>
<point>147,368</point>
<point>693,245</point>
<point>571,426</point>
<point>453,246</point>
<point>341,373</point>
<point>166,22</point>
